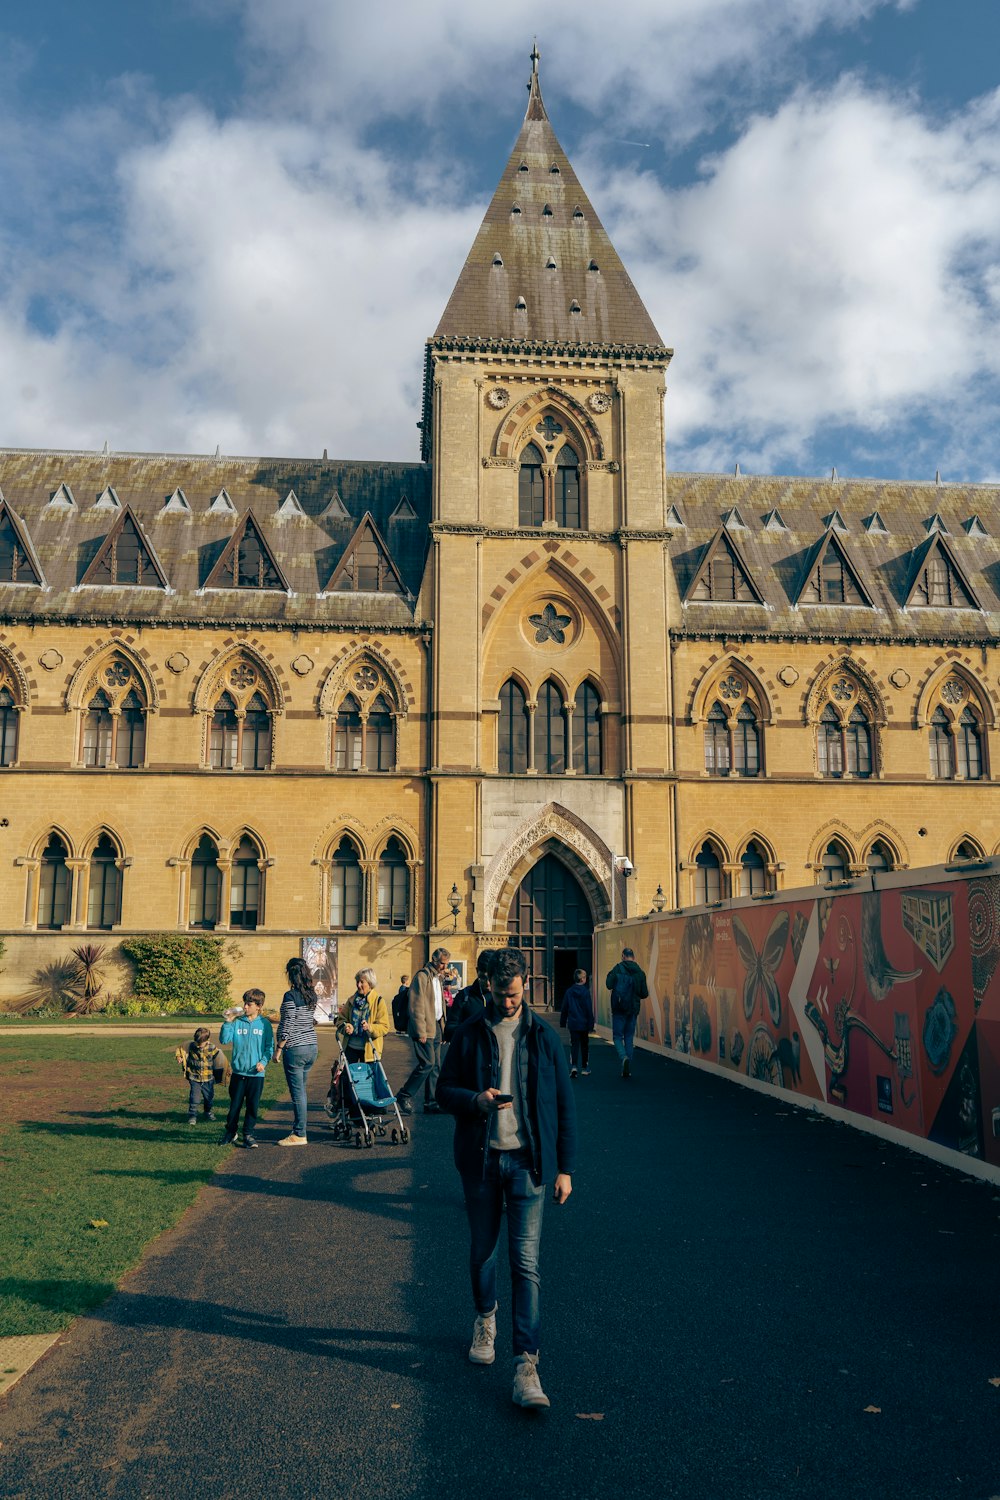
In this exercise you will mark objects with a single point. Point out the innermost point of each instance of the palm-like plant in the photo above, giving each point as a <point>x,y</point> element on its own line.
<point>89,976</point>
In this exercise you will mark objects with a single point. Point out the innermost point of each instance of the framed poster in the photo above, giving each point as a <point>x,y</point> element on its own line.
<point>453,979</point>
<point>320,954</point>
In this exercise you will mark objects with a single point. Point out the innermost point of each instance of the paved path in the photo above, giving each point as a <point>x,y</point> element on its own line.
<point>732,1284</point>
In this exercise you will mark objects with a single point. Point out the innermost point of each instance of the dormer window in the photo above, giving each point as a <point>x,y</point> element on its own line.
<point>520,305</point>
<point>554,170</point>
<point>546,212</point>
<point>523,167</point>
<point>550,264</point>
<point>516,208</point>
<point>593,266</point>
<point>498,260</point>
<point>578,215</point>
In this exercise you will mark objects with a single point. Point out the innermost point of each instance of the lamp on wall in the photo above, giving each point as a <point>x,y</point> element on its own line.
<point>659,900</point>
<point>455,902</point>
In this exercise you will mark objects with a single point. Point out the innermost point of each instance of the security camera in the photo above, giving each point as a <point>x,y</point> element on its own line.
<point>625,865</point>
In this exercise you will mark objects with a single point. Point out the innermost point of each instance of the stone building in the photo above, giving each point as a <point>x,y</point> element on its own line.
<point>391,702</point>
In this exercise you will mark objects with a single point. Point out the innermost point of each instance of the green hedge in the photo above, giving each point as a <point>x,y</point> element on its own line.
<point>179,973</point>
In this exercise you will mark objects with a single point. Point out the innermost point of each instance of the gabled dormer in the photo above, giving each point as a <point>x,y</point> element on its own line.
<point>247,561</point>
<point>18,563</point>
<point>936,523</point>
<point>366,566</point>
<point>675,521</point>
<point>874,525</point>
<point>774,521</point>
<point>936,580</point>
<point>404,511</point>
<point>176,504</point>
<point>835,522</point>
<point>830,577</point>
<point>290,508</point>
<point>125,558</point>
<point>733,520</point>
<point>222,504</point>
<point>335,509</point>
<point>62,499</point>
<point>107,499</point>
<point>974,527</point>
<point>723,576</point>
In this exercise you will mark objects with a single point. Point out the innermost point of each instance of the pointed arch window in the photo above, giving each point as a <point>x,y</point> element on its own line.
<point>530,490</point>
<point>733,739</point>
<point>347,736</point>
<point>224,735</point>
<point>393,886</point>
<point>829,743</point>
<point>835,864</point>
<point>587,731</point>
<point>104,892</point>
<point>968,850</point>
<point>942,768</point>
<point>346,886</point>
<point>130,746</point>
<point>379,738</point>
<point>550,732</point>
<point>206,885</point>
<point>512,733</point>
<point>718,757</point>
<point>969,746</point>
<point>707,876</point>
<point>858,743</point>
<point>54,886</point>
<point>880,858</point>
<point>256,746</point>
<point>97,731</point>
<point>245,886</point>
<point>8,727</point>
<point>753,871</point>
<point>567,481</point>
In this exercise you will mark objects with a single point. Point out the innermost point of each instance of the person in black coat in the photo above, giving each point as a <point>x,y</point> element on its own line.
<point>471,1001</point>
<point>577,1015</point>
<point>401,1004</point>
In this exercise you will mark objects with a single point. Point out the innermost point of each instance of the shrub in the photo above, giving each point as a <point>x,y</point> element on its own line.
<point>173,973</point>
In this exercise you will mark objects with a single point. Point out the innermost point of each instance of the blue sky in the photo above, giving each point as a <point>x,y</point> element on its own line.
<point>234,222</point>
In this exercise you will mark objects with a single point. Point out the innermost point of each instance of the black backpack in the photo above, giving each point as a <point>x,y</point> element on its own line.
<point>624,996</point>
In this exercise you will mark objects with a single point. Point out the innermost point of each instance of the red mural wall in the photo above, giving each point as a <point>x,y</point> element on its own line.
<point>883,999</point>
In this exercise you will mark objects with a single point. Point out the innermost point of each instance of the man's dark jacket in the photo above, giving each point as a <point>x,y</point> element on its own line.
<point>472,1064</point>
<point>467,1003</point>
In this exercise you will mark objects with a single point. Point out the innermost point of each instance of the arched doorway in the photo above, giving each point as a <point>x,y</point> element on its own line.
<point>551,920</point>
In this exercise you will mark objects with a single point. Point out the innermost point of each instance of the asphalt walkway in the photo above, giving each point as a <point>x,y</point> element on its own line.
<point>739,1300</point>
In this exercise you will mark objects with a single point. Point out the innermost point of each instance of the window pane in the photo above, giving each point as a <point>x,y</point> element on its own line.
<point>512,731</point>
<point>8,730</point>
<point>345,887</point>
<point>587,731</point>
<point>203,905</point>
<point>393,887</point>
<point>550,732</point>
<point>708,876</point>
<point>54,886</point>
<point>530,492</point>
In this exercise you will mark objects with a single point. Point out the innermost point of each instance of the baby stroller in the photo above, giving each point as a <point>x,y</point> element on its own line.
<point>359,1101</point>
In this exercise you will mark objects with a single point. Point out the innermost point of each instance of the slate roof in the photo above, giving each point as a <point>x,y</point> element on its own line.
<point>885,562</point>
<point>66,538</point>
<point>522,251</point>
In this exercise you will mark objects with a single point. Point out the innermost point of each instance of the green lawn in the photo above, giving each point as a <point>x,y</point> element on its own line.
<point>92,1128</point>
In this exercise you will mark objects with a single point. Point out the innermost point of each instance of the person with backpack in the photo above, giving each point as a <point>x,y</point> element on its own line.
<point>628,987</point>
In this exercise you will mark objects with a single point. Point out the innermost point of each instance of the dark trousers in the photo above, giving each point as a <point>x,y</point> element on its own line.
<point>201,1093</point>
<point>579,1049</point>
<point>244,1089</point>
<point>426,1066</point>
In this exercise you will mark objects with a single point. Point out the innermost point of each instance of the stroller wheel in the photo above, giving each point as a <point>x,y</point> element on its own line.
<point>404,1135</point>
<point>357,1140</point>
<point>370,1141</point>
<point>395,1136</point>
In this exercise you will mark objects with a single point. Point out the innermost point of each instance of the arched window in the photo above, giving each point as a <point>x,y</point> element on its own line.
<point>746,743</point>
<point>347,736</point>
<point>829,743</point>
<point>707,876</point>
<point>587,731</point>
<point>568,488</point>
<point>224,741</point>
<point>512,731</point>
<point>968,850</point>
<point>244,886</point>
<point>753,871</point>
<point>969,746</point>
<point>256,745</point>
<point>942,766</point>
<point>206,882</point>
<point>379,748</point>
<point>346,886</point>
<point>54,885</point>
<point>550,732</point>
<point>879,858</point>
<point>858,738</point>
<point>393,886</point>
<point>104,894</point>
<point>717,750</point>
<point>97,728</point>
<point>130,746</point>
<point>530,490</point>
<point>8,728</point>
<point>835,865</point>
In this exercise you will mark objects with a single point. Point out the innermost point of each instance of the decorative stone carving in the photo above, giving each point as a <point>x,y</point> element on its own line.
<point>499,463</point>
<point>788,676</point>
<point>732,686</point>
<point>498,396</point>
<point>50,659</point>
<point>117,674</point>
<point>595,855</point>
<point>599,401</point>
<point>302,665</point>
<point>843,689</point>
<point>953,691</point>
<point>366,679</point>
<point>178,662</point>
<point>243,676</point>
<point>899,678</point>
<point>550,625</point>
<point>602,466</point>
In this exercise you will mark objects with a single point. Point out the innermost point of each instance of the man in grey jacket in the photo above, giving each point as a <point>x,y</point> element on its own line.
<point>425,1030</point>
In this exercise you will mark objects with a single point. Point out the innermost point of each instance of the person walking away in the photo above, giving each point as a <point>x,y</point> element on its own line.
<point>505,1080</point>
<point>297,1045</point>
<point>473,999</point>
<point>628,987</point>
<point>577,1015</point>
<point>425,1028</point>
<point>252,1038</point>
<point>401,1004</point>
<point>201,1061</point>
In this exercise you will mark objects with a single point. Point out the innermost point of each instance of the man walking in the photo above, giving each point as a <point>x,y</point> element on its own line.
<point>628,987</point>
<point>473,1000</point>
<point>425,1028</point>
<point>506,1082</point>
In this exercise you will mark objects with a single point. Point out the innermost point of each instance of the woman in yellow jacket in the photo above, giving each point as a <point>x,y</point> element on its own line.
<point>363,1020</point>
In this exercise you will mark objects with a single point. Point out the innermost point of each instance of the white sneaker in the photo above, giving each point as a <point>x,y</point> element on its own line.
<point>527,1386</point>
<point>293,1140</point>
<point>484,1335</point>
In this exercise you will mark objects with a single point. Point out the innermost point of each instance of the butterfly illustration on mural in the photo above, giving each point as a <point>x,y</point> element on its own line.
<point>762,967</point>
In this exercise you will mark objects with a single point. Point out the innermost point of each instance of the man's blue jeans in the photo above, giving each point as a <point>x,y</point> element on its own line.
<point>507,1181</point>
<point>296,1062</point>
<point>623,1034</point>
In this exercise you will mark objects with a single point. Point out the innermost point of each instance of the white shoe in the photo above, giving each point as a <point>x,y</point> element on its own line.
<point>293,1140</point>
<point>527,1386</point>
<point>484,1332</point>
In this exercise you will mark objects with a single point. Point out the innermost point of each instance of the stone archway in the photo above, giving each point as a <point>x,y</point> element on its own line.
<point>550,916</point>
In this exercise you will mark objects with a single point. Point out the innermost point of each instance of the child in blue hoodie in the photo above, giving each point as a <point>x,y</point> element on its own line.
<point>252,1038</point>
